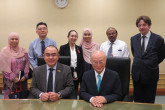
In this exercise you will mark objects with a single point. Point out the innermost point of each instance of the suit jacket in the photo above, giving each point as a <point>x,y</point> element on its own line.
<point>65,51</point>
<point>110,86</point>
<point>63,80</point>
<point>145,67</point>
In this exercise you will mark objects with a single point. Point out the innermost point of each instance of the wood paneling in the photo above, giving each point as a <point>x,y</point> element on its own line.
<point>160,90</point>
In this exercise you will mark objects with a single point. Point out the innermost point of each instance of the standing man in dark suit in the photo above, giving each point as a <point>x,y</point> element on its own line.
<point>76,62</point>
<point>100,85</point>
<point>53,80</point>
<point>148,51</point>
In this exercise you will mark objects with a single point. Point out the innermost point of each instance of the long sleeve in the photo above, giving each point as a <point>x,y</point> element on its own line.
<point>26,69</point>
<point>32,59</point>
<point>126,51</point>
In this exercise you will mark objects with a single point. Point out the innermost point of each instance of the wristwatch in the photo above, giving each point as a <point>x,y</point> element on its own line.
<point>59,95</point>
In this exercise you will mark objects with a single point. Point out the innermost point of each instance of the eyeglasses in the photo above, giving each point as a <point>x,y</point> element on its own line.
<point>109,34</point>
<point>51,54</point>
<point>98,62</point>
<point>44,28</point>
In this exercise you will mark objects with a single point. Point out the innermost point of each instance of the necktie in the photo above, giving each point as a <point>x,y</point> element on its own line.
<point>143,44</point>
<point>42,47</point>
<point>50,80</point>
<point>110,50</point>
<point>99,81</point>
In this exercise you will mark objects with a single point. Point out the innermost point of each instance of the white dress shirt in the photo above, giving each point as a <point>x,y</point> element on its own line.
<point>146,39</point>
<point>47,77</point>
<point>73,57</point>
<point>101,74</point>
<point>119,48</point>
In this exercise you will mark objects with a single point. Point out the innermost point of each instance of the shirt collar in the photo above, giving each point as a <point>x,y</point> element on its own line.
<point>109,43</point>
<point>101,74</point>
<point>50,67</point>
<point>45,40</point>
<point>147,35</point>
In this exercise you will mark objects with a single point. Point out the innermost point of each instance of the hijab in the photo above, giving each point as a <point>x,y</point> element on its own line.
<point>9,52</point>
<point>88,47</point>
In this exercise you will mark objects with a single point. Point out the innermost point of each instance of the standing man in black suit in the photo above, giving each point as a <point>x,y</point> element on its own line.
<point>100,85</point>
<point>53,80</point>
<point>148,51</point>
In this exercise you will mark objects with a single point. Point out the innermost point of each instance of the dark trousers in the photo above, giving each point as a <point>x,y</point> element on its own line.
<point>144,93</point>
<point>76,83</point>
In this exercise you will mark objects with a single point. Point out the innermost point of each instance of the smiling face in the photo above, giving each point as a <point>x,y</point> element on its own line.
<point>51,56</point>
<point>72,38</point>
<point>14,41</point>
<point>87,36</point>
<point>143,27</point>
<point>98,60</point>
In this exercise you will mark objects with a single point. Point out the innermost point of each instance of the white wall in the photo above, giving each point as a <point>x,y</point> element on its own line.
<point>21,16</point>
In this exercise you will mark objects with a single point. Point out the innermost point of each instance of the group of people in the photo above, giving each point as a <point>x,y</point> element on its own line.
<point>87,65</point>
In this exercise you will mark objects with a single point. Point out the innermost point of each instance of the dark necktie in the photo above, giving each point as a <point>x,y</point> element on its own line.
<point>110,50</point>
<point>50,80</point>
<point>42,47</point>
<point>99,81</point>
<point>143,44</point>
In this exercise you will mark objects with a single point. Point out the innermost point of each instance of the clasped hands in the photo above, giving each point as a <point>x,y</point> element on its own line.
<point>98,101</point>
<point>52,96</point>
<point>16,80</point>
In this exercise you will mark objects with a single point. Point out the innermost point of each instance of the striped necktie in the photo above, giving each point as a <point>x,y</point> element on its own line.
<point>42,47</point>
<point>110,50</point>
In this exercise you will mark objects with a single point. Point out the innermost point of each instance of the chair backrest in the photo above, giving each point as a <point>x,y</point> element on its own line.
<point>122,66</point>
<point>62,59</point>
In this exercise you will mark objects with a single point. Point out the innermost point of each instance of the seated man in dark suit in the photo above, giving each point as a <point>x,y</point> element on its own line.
<point>53,80</point>
<point>100,85</point>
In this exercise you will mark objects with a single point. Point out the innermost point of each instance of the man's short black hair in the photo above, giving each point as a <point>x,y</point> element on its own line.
<point>41,23</point>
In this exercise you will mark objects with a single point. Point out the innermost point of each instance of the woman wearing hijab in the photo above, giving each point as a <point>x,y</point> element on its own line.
<point>76,63</point>
<point>13,60</point>
<point>88,47</point>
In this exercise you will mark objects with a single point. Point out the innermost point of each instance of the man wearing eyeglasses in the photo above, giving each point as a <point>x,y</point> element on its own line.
<point>100,85</point>
<point>37,46</point>
<point>113,46</point>
<point>52,80</point>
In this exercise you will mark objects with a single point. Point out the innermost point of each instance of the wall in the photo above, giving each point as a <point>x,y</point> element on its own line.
<point>22,16</point>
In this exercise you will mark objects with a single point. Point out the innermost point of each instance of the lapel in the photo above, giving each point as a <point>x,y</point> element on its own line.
<point>139,44</point>
<point>77,52</point>
<point>57,76</point>
<point>149,43</point>
<point>68,49</point>
<point>93,81</point>
<point>104,80</point>
<point>44,77</point>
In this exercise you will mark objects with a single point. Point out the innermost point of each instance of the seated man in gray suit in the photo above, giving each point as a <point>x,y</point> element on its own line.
<point>53,80</point>
<point>100,85</point>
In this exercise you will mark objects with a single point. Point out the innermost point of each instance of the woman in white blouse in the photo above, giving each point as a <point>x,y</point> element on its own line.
<point>76,62</point>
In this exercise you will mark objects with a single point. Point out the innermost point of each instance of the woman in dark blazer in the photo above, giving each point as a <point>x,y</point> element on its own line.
<point>76,62</point>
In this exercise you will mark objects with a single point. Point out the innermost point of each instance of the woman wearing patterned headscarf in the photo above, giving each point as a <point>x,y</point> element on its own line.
<point>13,60</point>
<point>88,47</point>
